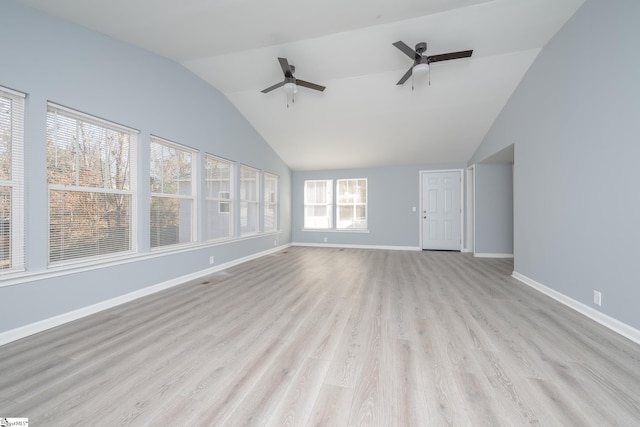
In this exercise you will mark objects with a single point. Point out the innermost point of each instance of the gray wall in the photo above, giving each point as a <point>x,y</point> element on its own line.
<point>494,208</point>
<point>392,193</point>
<point>51,60</point>
<point>574,122</point>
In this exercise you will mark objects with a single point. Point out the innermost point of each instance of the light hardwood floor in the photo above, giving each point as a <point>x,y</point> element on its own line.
<point>330,337</point>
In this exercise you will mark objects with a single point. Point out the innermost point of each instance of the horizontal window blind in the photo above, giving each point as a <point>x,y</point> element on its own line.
<point>12,107</point>
<point>91,176</point>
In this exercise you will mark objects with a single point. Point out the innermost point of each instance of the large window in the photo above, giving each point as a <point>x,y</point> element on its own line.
<point>270,202</point>
<point>11,181</point>
<point>249,200</point>
<point>219,198</point>
<point>90,172</point>
<point>318,204</point>
<point>351,204</point>
<point>172,193</point>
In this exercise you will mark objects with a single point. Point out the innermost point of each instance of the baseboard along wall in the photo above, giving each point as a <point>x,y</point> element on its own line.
<point>42,325</point>
<point>607,321</point>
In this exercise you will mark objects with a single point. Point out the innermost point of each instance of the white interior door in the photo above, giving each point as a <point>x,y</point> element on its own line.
<point>441,210</point>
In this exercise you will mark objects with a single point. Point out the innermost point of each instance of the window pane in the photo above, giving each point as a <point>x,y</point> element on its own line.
<point>318,210</point>
<point>352,204</point>
<point>171,218</point>
<point>219,206</point>
<point>249,200</point>
<point>83,153</point>
<point>219,219</point>
<point>170,170</point>
<point>170,221</point>
<point>88,224</point>
<point>86,154</point>
<point>270,202</point>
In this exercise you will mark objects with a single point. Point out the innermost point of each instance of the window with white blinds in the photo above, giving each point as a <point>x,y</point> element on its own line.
<point>270,202</point>
<point>249,200</point>
<point>219,197</point>
<point>173,198</point>
<point>91,176</point>
<point>11,181</point>
<point>318,204</point>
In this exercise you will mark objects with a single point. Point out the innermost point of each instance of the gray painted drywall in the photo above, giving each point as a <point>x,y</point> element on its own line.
<point>392,194</point>
<point>574,122</point>
<point>494,208</point>
<point>51,60</point>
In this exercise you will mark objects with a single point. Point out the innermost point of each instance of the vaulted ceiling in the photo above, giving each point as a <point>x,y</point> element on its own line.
<point>362,119</point>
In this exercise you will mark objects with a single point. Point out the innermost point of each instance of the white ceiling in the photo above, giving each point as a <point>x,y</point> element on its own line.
<point>362,119</point>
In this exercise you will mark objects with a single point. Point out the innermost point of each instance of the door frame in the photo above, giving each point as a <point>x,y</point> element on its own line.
<point>462,204</point>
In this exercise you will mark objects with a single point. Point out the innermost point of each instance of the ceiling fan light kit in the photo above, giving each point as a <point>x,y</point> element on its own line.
<point>420,69</point>
<point>290,88</point>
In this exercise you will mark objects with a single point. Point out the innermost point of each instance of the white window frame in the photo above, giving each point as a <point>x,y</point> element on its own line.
<point>271,201</point>
<point>246,203</point>
<point>354,204</point>
<point>55,109</point>
<point>181,197</point>
<point>15,182</point>
<point>328,205</point>
<point>224,198</point>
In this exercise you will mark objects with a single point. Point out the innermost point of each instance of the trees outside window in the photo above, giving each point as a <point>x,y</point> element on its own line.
<point>90,164</point>
<point>173,198</point>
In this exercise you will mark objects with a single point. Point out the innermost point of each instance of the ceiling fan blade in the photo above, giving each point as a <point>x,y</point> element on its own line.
<point>405,77</point>
<point>448,56</point>
<point>406,49</point>
<point>310,85</point>
<point>275,86</point>
<point>285,66</point>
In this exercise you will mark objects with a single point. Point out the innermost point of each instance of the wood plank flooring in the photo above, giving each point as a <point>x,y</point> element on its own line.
<point>330,337</point>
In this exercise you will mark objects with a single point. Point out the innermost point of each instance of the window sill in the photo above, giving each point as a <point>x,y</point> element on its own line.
<point>335,230</point>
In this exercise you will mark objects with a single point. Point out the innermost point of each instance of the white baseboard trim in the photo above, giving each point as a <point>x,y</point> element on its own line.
<point>52,322</point>
<point>607,321</point>
<point>488,255</point>
<point>335,245</point>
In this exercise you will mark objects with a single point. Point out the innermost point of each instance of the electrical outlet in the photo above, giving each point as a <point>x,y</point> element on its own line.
<point>275,243</point>
<point>326,240</point>
<point>597,298</point>
<point>211,259</point>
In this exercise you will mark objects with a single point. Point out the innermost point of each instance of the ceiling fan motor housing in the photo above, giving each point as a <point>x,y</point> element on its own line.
<point>421,47</point>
